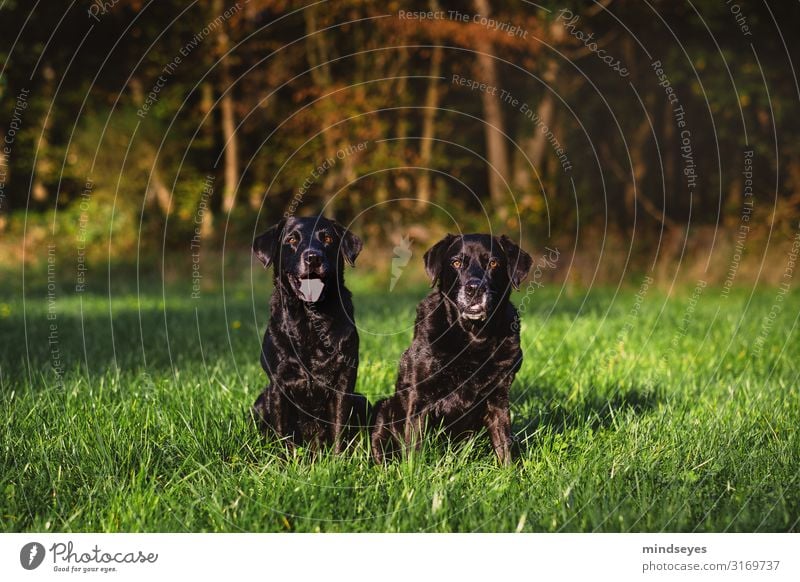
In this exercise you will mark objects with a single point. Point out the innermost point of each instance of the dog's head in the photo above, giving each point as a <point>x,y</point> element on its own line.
<point>308,254</point>
<point>477,271</point>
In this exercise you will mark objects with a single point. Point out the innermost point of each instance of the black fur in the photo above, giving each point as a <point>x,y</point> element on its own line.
<point>466,348</point>
<point>310,348</point>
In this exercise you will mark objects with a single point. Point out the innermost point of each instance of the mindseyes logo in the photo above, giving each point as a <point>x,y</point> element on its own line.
<point>31,555</point>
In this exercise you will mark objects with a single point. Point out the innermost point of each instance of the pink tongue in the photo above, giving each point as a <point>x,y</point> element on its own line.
<point>311,289</point>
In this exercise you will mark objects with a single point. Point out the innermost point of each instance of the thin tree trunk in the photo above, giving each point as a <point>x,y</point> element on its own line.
<point>43,163</point>
<point>634,179</point>
<point>428,127</point>
<point>546,111</point>
<point>669,157</point>
<point>317,53</point>
<point>536,145</point>
<point>228,115</point>
<point>159,189</point>
<point>231,154</point>
<point>496,151</point>
<point>206,106</point>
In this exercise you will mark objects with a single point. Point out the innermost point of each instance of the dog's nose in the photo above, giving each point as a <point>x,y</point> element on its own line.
<point>472,286</point>
<point>312,258</point>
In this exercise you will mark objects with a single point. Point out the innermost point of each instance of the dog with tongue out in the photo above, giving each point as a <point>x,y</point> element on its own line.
<point>310,348</point>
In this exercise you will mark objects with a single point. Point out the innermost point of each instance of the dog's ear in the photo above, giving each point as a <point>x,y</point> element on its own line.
<point>433,258</point>
<point>266,245</point>
<point>350,245</point>
<point>519,262</point>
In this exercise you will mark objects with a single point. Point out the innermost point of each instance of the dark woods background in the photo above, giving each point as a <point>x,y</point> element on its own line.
<point>142,128</point>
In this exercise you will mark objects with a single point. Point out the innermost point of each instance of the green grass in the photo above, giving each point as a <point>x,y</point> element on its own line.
<point>619,431</point>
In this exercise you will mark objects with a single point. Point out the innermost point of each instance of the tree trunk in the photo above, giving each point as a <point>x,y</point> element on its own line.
<point>159,189</point>
<point>428,128</point>
<point>638,170</point>
<point>496,151</point>
<point>156,190</point>
<point>317,53</point>
<point>536,145</point>
<point>228,115</point>
<point>634,179</point>
<point>43,164</point>
<point>670,193</point>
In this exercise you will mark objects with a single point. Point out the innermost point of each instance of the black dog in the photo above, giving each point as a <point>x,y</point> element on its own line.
<point>310,348</point>
<point>466,348</point>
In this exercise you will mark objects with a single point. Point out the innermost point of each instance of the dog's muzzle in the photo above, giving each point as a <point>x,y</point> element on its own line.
<point>473,301</point>
<point>309,287</point>
<point>311,290</point>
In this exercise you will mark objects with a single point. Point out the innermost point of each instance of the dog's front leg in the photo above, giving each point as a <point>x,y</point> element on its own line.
<point>338,411</point>
<point>380,432</point>
<point>261,411</point>
<point>279,412</point>
<point>339,403</point>
<point>388,422</point>
<point>498,423</point>
<point>414,423</point>
<point>288,418</point>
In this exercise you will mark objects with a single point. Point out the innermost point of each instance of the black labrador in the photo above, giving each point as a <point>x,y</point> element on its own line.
<point>466,348</point>
<point>310,348</point>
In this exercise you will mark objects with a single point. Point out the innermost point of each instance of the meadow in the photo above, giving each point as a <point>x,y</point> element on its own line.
<point>635,410</point>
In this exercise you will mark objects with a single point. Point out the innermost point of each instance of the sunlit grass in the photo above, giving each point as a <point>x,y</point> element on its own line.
<point>642,422</point>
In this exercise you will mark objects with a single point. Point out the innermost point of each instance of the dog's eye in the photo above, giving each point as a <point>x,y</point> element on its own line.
<point>456,263</point>
<point>327,239</point>
<point>291,239</point>
<point>493,264</point>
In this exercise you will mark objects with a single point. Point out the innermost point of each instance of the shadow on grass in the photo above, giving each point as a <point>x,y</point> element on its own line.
<point>549,410</point>
<point>150,331</point>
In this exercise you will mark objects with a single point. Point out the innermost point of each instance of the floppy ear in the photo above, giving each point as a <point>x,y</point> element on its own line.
<point>519,262</point>
<point>351,245</point>
<point>433,258</point>
<point>266,245</point>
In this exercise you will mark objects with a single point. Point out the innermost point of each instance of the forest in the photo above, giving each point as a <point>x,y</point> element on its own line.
<point>660,128</point>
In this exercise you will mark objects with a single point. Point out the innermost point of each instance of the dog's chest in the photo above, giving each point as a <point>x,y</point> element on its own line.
<point>466,376</point>
<point>317,345</point>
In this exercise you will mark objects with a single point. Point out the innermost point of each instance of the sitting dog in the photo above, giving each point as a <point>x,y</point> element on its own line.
<point>310,348</point>
<point>466,348</point>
